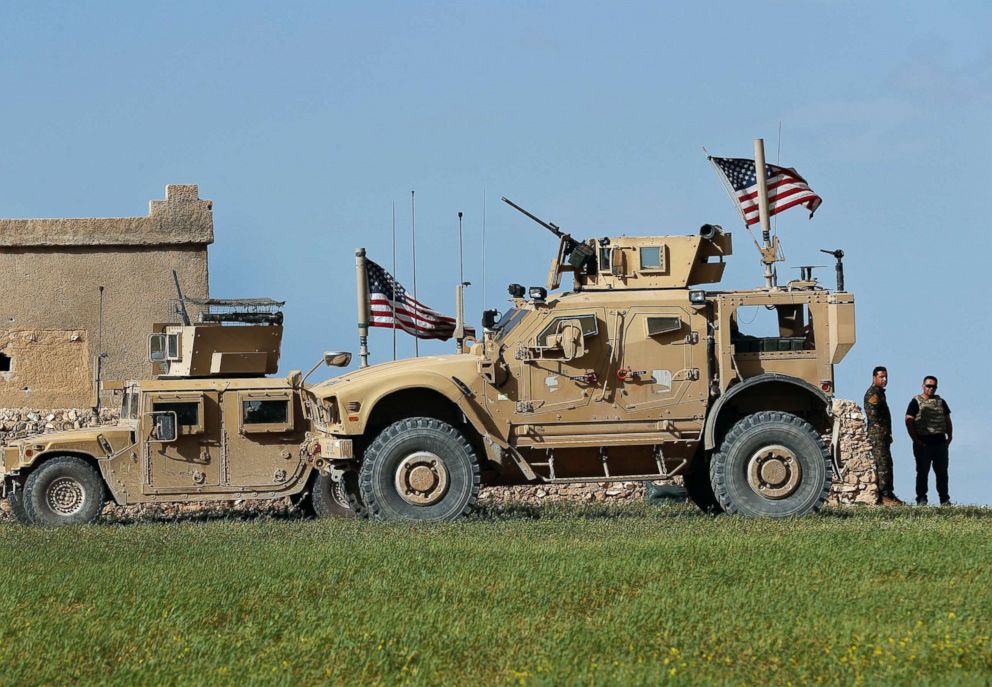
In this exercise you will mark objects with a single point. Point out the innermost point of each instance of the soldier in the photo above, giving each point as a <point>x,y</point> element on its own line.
<point>928,420</point>
<point>880,434</point>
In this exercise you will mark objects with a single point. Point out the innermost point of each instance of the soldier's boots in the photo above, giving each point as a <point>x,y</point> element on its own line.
<point>890,500</point>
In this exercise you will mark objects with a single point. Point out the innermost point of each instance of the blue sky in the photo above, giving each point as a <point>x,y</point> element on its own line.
<point>304,122</point>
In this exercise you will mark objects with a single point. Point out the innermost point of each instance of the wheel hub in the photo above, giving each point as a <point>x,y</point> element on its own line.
<point>421,478</point>
<point>65,496</point>
<point>774,472</point>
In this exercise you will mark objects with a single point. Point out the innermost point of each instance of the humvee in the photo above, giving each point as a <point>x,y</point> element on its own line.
<point>209,426</point>
<point>636,374</point>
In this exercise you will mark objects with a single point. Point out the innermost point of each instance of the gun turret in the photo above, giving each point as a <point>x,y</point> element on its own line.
<point>579,255</point>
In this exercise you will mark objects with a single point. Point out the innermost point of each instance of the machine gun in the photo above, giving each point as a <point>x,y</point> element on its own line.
<point>579,255</point>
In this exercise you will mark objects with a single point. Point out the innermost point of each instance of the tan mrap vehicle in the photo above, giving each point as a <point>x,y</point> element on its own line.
<point>636,374</point>
<point>211,426</point>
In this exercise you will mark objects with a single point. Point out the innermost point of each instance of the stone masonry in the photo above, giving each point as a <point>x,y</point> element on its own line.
<point>51,271</point>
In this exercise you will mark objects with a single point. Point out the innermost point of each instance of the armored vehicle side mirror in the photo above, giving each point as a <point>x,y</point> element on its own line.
<point>337,358</point>
<point>571,340</point>
<point>163,427</point>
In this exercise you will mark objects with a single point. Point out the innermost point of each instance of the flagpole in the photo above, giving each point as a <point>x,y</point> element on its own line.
<point>392,303</point>
<point>460,292</point>
<point>759,170</point>
<point>413,222</point>
<point>362,302</point>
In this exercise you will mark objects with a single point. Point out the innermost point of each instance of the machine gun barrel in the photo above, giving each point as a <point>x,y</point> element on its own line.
<point>553,228</point>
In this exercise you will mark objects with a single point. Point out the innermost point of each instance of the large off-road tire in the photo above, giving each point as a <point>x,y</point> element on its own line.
<point>330,499</point>
<point>698,486</point>
<point>419,469</point>
<point>15,499</point>
<point>64,490</point>
<point>771,464</point>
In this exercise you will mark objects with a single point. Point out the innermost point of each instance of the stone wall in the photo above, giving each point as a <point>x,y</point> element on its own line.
<point>51,271</point>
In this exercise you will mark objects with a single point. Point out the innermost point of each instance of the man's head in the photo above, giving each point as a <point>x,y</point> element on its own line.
<point>880,376</point>
<point>929,386</point>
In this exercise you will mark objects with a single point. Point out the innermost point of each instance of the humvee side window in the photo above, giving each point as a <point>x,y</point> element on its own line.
<point>266,411</point>
<point>187,414</point>
<point>590,327</point>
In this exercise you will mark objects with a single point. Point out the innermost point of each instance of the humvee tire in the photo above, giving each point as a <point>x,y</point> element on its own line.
<point>341,499</point>
<point>64,490</point>
<point>419,469</point>
<point>15,499</point>
<point>771,464</point>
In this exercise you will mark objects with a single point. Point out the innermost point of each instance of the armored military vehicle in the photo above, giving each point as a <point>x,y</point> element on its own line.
<point>210,425</point>
<point>637,373</point>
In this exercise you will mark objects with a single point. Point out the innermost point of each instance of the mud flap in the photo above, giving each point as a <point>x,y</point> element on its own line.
<point>835,449</point>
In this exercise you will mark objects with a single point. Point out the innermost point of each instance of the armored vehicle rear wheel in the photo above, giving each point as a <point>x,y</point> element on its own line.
<point>419,469</point>
<point>771,464</point>
<point>337,499</point>
<point>64,490</point>
<point>15,499</point>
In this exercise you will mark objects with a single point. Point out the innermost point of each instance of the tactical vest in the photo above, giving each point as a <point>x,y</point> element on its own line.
<point>930,419</point>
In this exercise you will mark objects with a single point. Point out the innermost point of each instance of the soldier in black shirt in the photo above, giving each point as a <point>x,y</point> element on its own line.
<point>880,434</point>
<point>928,421</point>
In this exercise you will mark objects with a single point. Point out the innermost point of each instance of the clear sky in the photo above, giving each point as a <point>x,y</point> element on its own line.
<point>305,122</point>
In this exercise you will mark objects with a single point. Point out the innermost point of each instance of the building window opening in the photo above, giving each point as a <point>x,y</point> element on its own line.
<point>5,362</point>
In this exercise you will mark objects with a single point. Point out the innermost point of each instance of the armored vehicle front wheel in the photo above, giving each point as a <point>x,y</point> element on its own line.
<point>337,499</point>
<point>419,469</point>
<point>64,490</point>
<point>771,464</point>
<point>15,499</point>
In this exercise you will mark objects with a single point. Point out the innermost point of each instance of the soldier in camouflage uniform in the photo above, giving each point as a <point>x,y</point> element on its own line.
<point>880,434</point>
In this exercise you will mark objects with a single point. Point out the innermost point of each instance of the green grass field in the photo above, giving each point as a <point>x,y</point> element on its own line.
<point>563,595</point>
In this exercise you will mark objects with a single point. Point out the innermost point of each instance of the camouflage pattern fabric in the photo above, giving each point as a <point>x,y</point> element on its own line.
<point>879,421</point>
<point>882,453</point>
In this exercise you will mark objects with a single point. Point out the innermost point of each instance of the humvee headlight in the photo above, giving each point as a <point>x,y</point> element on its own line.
<point>698,297</point>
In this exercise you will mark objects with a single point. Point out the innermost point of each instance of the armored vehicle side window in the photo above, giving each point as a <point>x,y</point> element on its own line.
<point>188,414</point>
<point>263,411</point>
<point>590,327</point>
<point>777,329</point>
<point>663,325</point>
<point>652,258</point>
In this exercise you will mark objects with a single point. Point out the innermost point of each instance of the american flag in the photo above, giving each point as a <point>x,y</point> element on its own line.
<point>392,307</point>
<point>785,187</point>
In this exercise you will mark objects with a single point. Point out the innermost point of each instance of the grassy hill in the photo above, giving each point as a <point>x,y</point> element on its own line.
<point>558,595</point>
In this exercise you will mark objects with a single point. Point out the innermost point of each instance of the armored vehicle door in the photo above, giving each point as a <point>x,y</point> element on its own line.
<point>262,438</point>
<point>663,365</point>
<point>193,461</point>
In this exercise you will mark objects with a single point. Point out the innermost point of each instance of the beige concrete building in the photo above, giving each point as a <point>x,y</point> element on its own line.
<point>51,271</point>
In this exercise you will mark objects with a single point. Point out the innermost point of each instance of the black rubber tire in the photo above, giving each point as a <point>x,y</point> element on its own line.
<point>728,468</point>
<point>15,499</point>
<point>78,475</point>
<point>698,486</point>
<point>330,499</point>
<point>401,439</point>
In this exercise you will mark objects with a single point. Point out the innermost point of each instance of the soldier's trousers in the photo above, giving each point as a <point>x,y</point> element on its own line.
<point>880,450</point>
<point>927,455</point>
